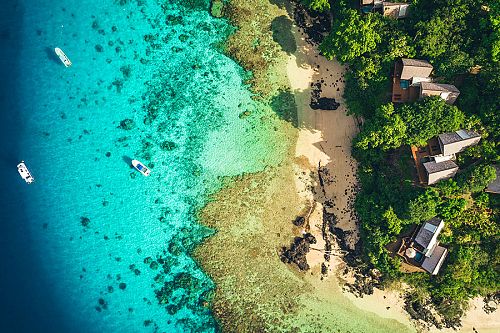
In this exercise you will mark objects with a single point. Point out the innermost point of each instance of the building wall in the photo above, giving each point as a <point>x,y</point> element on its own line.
<point>459,146</point>
<point>437,176</point>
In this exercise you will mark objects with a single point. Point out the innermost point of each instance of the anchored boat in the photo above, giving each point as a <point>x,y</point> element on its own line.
<point>141,167</point>
<point>65,60</point>
<point>25,173</point>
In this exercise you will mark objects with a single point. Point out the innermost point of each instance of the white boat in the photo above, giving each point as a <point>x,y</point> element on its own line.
<point>141,167</point>
<point>25,173</point>
<point>63,57</point>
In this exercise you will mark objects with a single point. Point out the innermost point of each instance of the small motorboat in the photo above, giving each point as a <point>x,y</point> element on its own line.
<point>141,167</point>
<point>65,60</point>
<point>25,173</point>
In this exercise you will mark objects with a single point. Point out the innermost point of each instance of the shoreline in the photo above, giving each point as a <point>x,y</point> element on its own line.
<point>253,217</point>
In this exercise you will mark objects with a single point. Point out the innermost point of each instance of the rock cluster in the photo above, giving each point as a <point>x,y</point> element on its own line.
<point>298,250</point>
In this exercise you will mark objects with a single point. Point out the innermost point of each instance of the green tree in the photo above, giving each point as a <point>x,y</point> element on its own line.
<point>392,223</point>
<point>429,117</point>
<point>317,5</point>
<point>451,208</point>
<point>352,36</point>
<point>477,178</point>
<point>386,131</point>
<point>424,207</point>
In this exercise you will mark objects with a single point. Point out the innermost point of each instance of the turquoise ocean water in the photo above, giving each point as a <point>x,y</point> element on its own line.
<point>93,246</point>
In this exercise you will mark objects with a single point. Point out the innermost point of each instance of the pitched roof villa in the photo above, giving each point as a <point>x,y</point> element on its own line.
<point>411,81</point>
<point>448,92</point>
<point>437,171</point>
<point>456,142</point>
<point>435,161</point>
<point>423,249</point>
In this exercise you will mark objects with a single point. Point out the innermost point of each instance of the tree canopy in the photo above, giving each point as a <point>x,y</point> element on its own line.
<point>352,36</point>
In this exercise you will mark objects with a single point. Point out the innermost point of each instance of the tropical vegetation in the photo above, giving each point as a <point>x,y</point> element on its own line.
<point>461,39</point>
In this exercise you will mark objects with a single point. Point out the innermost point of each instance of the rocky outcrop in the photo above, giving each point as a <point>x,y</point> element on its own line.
<point>298,250</point>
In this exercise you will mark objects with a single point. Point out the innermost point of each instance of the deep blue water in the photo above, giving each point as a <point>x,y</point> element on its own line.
<point>92,246</point>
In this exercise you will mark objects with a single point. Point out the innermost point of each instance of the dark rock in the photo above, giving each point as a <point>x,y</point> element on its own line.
<point>298,250</point>
<point>299,221</point>
<point>122,285</point>
<point>167,145</point>
<point>127,124</point>
<point>85,221</point>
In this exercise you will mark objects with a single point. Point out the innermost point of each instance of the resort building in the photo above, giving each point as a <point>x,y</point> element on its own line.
<point>448,92</point>
<point>408,73</point>
<point>395,10</point>
<point>456,142</point>
<point>411,81</point>
<point>422,249</point>
<point>494,186</point>
<point>436,171</point>
<point>435,161</point>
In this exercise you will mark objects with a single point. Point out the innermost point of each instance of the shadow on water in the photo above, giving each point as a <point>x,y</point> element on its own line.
<point>285,107</point>
<point>127,160</point>
<point>52,56</point>
<point>27,302</point>
<point>282,34</point>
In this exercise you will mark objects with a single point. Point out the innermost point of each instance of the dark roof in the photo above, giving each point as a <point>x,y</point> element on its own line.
<point>439,87</point>
<point>433,263</point>
<point>494,186</point>
<point>433,167</point>
<point>424,235</point>
<point>460,135</point>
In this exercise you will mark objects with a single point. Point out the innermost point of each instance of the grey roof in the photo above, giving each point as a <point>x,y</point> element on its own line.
<point>424,235</point>
<point>416,62</point>
<point>439,87</point>
<point>433,167</point>
<point>433,263</point>
<point>415,68</point>
<point>460,135</point>
<point>494,186</point>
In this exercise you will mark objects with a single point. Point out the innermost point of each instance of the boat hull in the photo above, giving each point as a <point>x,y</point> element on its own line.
<point>62,56</point>
<point>141,167</point>
<point>25,173</point>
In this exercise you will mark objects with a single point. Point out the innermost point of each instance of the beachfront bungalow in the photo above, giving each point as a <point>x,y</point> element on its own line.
<point>456,142</point>
<point>434,162</point>
<point>422,249</point>
<point>395,10</point>
<point>408,74</point>
<point>494,186</point>
<point>448,92</point>
<point>439,170</point>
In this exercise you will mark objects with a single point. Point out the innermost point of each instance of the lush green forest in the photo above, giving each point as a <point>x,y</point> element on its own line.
<point>461,39</point>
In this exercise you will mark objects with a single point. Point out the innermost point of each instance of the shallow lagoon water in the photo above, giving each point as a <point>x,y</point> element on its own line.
<point>93,246</point>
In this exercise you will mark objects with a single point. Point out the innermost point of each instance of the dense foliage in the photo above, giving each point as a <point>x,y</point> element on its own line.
<point>461,39</point>
<point>317,5</point>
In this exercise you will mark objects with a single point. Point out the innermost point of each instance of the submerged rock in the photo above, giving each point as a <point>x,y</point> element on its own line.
<point>217,8</point>
<point>127,124</point>
<point>85,221</point>
<point>167,145</point>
